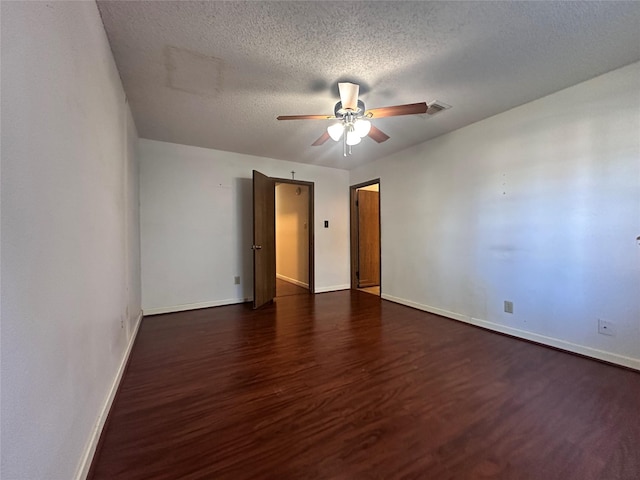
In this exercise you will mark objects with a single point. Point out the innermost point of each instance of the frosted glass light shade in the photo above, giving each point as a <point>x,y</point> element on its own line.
<point>353,138</point>
<point>335,131</point>
<point>349,95</point>
<point>362,127</point>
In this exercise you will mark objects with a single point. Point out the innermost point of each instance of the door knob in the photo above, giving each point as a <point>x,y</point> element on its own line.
<point>256,247</point>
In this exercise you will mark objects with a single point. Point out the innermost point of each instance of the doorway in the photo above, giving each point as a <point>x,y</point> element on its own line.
<point>293,246</point>
<point>365,237</point>
<point>264,237</point>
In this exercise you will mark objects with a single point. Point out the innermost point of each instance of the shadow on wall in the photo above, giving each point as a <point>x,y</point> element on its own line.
<point>244,229</point>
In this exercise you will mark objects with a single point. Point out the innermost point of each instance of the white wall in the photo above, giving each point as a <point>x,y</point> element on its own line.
<point>132,227</point>
<point>539,205</point>
<point>196,231</point>
<point>69,259</point>
<point>292,233</point>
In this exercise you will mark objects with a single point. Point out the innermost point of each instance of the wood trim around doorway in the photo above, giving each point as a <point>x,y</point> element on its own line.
<point>353,230</point>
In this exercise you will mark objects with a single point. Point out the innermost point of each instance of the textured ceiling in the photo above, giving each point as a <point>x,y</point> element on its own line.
<point>216,74</point>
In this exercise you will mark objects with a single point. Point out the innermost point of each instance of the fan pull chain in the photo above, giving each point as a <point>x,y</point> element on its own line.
<point>344,143</point>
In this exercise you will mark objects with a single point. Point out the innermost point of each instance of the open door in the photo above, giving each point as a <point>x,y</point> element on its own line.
<point>264,244</point>
<point>368,211</point>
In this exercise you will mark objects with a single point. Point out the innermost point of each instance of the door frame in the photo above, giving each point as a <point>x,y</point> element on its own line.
<point>353,233</point>
<point>310,229</point>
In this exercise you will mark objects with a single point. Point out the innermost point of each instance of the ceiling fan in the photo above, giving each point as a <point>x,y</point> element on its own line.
<point>353,119</point>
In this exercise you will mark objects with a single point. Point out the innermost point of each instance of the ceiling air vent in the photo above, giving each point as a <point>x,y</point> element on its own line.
<point>436,107</point>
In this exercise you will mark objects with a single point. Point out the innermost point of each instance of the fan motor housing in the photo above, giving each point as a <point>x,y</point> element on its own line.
<point>340,112</point>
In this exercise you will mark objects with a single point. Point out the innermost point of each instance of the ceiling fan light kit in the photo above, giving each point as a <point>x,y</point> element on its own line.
<point>353,119</point>
<point>352,129</point>
<point>352,138</point>
<point>335,131</point>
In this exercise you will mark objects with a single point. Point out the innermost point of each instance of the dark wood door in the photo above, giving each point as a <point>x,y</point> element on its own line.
<point>264,240</point>
<point>368,207</point>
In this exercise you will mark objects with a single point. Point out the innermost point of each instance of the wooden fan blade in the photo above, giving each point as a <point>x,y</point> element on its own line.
<point>305,117</point>
<point>378,135</point>
<point>396,110</point>
<point>323,138</point>
<point>349,95</point>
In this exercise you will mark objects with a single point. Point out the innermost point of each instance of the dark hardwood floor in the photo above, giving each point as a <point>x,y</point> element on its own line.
<point>284,289</point>
<point>346,385</point>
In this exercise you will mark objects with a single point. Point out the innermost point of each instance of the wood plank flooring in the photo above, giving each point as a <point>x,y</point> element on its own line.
<point>372,290</point>
<point>345,385</point>
<point>284,289</point>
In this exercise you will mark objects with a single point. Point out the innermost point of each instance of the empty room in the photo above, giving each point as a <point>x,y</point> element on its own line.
<point>320,240</point>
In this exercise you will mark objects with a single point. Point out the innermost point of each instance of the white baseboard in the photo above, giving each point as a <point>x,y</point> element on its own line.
<point>194,306</point>
<point>426,308</point>
<point>90,450</point>
<point>292,280</point>
<point>332,288</point>
<point>622,360</point>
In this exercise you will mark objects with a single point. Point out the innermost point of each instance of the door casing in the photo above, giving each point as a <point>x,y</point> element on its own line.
<point>354,229</point>
<point>310,230</point>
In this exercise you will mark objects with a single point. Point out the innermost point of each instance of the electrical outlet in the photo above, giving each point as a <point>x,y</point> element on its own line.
<point>508,306</point>
<point>236,280</point>
<point>606,328</point>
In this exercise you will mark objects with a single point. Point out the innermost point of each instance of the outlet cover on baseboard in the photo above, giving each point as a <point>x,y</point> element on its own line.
<point>508,306</point>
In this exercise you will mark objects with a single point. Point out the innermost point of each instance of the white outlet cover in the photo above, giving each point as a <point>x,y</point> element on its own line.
<point>606,328</point>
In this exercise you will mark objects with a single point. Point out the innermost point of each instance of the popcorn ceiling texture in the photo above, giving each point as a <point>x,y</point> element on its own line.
<point>216,74</point>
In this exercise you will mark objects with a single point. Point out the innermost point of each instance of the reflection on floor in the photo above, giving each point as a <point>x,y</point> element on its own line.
<point>373,290</point>
<point>343,385</point>
<point>284,289</point>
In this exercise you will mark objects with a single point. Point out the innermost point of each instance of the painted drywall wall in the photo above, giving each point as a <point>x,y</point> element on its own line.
<point>196,230</point>
<point>292,233</point>
<point>69,257</point>
<point>132,212</point>
<point>539,205</point>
